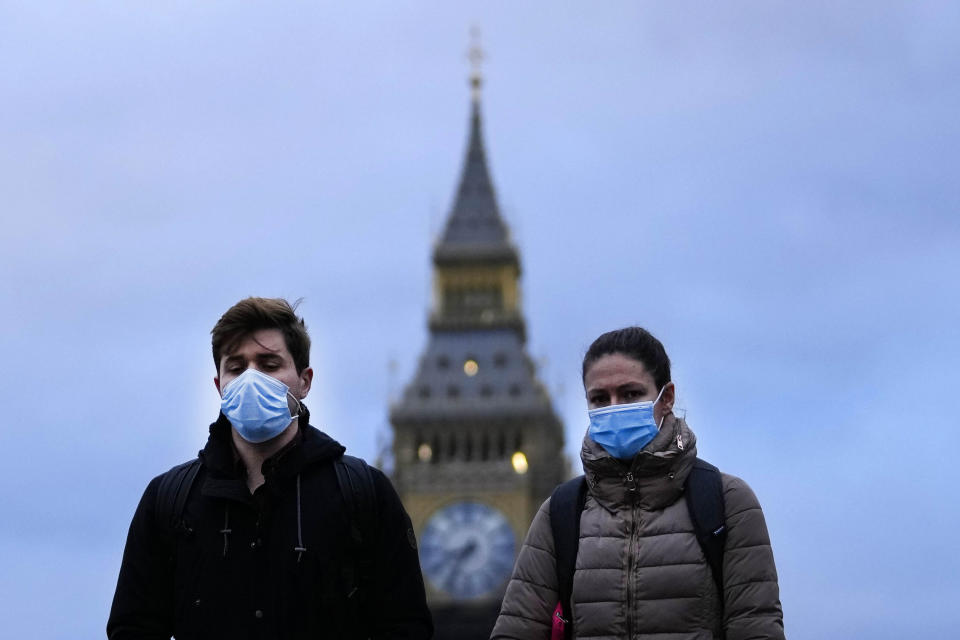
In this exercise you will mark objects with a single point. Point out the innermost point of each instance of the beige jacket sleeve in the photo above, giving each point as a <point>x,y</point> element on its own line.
<point>750,591</point>
<point>531,597</point>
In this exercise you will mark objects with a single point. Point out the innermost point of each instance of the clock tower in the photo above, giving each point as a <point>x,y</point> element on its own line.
<point>477,444</point>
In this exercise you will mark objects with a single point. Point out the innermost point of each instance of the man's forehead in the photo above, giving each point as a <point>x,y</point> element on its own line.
<point>263,341</point>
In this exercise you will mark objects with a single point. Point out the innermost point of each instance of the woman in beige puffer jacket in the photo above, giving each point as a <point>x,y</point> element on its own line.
<point>640,572</point>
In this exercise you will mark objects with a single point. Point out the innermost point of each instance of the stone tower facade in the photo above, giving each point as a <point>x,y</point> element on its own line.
<point>477,444</point>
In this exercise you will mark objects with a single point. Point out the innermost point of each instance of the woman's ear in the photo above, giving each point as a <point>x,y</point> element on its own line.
<point>668,397</point>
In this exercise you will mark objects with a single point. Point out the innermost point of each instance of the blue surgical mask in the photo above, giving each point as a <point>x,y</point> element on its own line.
<point>256,405</point>
<point>624,429</point>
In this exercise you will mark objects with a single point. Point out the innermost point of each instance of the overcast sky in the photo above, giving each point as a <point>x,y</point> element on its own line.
<point>769,187</point>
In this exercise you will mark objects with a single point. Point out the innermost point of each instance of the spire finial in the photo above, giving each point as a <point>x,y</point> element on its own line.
<point>475,55</point>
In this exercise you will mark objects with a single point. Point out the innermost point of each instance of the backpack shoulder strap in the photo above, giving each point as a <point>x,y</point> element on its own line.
<point>172,494</point>
<point>704,491</point>
<point>566,505</point>
<point>359,494</point>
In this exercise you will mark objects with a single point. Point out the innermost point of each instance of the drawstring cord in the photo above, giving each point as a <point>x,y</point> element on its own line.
<point>226,528</point>
<point>226,531</point>
<point>299,548</point>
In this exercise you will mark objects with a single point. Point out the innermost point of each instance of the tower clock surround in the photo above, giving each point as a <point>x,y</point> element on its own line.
<point>467,549</point>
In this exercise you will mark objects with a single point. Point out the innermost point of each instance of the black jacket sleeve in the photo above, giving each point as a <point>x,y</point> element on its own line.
<point>143,602</point>
<point>397,606</point>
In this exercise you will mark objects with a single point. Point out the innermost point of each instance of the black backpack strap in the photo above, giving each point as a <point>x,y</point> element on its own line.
<point>172,495</point>
<point>359,497</point>
<point>359,494</point>
<point>704,490</point>
<point>566,505</point>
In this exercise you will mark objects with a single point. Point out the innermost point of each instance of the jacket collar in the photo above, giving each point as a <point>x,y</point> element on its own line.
<point>655,476</point>
<point>226,477</point>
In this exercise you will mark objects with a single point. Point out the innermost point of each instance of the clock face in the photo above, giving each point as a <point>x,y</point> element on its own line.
<point>467,549</point>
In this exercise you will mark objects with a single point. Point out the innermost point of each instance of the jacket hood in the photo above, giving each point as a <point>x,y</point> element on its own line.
<point>655,476</point>
<point>311,446</point>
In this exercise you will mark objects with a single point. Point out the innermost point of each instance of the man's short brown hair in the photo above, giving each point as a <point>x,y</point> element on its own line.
<point>253,314</point>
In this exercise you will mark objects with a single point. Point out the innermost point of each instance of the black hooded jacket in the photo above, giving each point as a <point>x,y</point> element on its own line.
<point>236,572</point>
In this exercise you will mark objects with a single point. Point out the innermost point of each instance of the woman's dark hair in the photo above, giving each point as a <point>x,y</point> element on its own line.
<point>636,343</point>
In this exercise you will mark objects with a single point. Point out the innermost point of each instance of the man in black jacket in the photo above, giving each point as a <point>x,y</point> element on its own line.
<point>264,543</point>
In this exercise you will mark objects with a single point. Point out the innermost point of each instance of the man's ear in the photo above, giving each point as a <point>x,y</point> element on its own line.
<point>306,380</point>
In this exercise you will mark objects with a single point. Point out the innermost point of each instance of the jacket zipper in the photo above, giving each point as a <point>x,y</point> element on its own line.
<point>631,488</point>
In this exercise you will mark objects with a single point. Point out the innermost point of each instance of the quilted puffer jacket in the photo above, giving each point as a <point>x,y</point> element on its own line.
<point>640,572</point>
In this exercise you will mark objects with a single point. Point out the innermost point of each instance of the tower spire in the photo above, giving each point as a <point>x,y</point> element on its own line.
<point>474,228</point>
<point>475,55</point>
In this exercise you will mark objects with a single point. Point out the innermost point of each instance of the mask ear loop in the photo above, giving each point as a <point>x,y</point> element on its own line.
<point>299,407</point>
<point>664,416</point>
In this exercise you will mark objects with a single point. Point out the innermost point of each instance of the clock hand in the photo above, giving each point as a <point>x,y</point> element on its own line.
<point>467,550</point>
<point>460,555</point>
